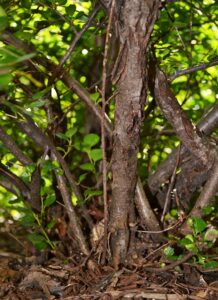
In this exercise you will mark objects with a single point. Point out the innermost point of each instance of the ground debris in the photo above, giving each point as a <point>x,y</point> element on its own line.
<point>58,280</point>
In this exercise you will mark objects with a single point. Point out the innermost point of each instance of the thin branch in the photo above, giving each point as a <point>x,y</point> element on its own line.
<point>43,141</point>
<point>170,188</point>
<point>74,222</point>
<point>13,183</point>
<point>103,133</point>
<point>190,70</point>
<point>13,148</point>
<point>209,190</point>
<point>171,266</point>
<point>74,42</point>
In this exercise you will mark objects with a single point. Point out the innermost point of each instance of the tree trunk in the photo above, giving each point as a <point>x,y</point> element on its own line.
<point>135,21</point>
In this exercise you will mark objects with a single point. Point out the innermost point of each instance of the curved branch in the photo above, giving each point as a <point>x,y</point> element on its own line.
<point>13,148</point>
<point>179,120</point>
<point>190,70</point>
<point>207,124</point>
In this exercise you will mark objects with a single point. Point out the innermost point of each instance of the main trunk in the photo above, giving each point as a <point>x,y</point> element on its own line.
<point>135,20</point>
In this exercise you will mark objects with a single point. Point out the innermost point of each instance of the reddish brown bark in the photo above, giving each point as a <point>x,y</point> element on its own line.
<point>135,23</point>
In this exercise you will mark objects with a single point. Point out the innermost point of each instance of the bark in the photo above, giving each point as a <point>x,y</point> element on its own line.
<point>179,120</point>
<point>191,176</point>
<point>135,21</point>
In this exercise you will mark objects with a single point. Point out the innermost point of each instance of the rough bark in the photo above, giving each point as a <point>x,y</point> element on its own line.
<point>135,21</point>
<point>192,175</point>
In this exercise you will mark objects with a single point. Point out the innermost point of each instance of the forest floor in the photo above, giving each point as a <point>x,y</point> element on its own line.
<point>36,277</point>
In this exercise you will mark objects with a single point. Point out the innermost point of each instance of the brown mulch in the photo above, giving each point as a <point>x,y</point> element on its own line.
<point>27,279</point>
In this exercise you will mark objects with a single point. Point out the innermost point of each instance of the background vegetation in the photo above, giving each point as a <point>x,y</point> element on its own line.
<point>51,57</point>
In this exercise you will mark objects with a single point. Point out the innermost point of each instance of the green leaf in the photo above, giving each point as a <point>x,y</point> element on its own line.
<point>87,167</point>
<point>70,132</point>
<point>51,224</point>
<point>82,177</point>
<point>40,94</point>
<point>211,264</point>
<point>169,251</point>
<point>5,79</point>
<point>199,224</point>
<point>208,210</point>
<point>90,193</point>
<point>3,19</point>
<point>28,220</point>
<point>37,240</point>
<point>38,103</point>
<point>62,136</point>
<point>70,10</point>
<point>211,235</point>
<point>30,168</point>
<point>62,2</point>
<point>3,22</point>
<point>90,140</point>
<point>96,154</point>
<point>50,199</point>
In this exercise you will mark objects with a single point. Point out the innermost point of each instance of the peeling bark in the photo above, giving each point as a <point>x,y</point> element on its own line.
<point>179,120</point>
<point>135,21</point>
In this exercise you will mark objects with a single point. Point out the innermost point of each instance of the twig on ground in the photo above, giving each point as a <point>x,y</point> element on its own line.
<point>170,266</point>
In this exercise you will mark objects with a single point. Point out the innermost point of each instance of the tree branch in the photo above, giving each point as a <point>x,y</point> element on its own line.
<point>179,120</point>
<point>207,124</point>
<point>190,70</point>
<point>13,148</point>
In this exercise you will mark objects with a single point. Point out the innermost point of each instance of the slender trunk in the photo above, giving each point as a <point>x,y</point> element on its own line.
<point>135,21</point>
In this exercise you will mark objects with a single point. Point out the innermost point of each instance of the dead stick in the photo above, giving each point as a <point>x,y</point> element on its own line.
<point>171,266</point>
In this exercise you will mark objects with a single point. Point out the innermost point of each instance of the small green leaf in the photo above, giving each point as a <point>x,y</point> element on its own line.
<point>95,97</point>
<point>62,2</point>
<point>188,239</point>
<point>82,177</point>
<point>3,22</point>
<point>90,193</point>
<point>87,167</point>
<point>96,154</point>
<point>90,140</point>
<point>40,94</point>
<point>208,210</point>
<point>70,132</point>
<point>5,79</point>
<point>169,251</point>
<point>62,136</point>
<point>50,199</point>
<point>51,224</point>
<point>199,224</point>
<point>70,10</point>
<point>211,235</point>
<point>3,19</point>
<point>30,168</point>
<point>37,240</point>
<point>211,264</point>
<point>38,103</point>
